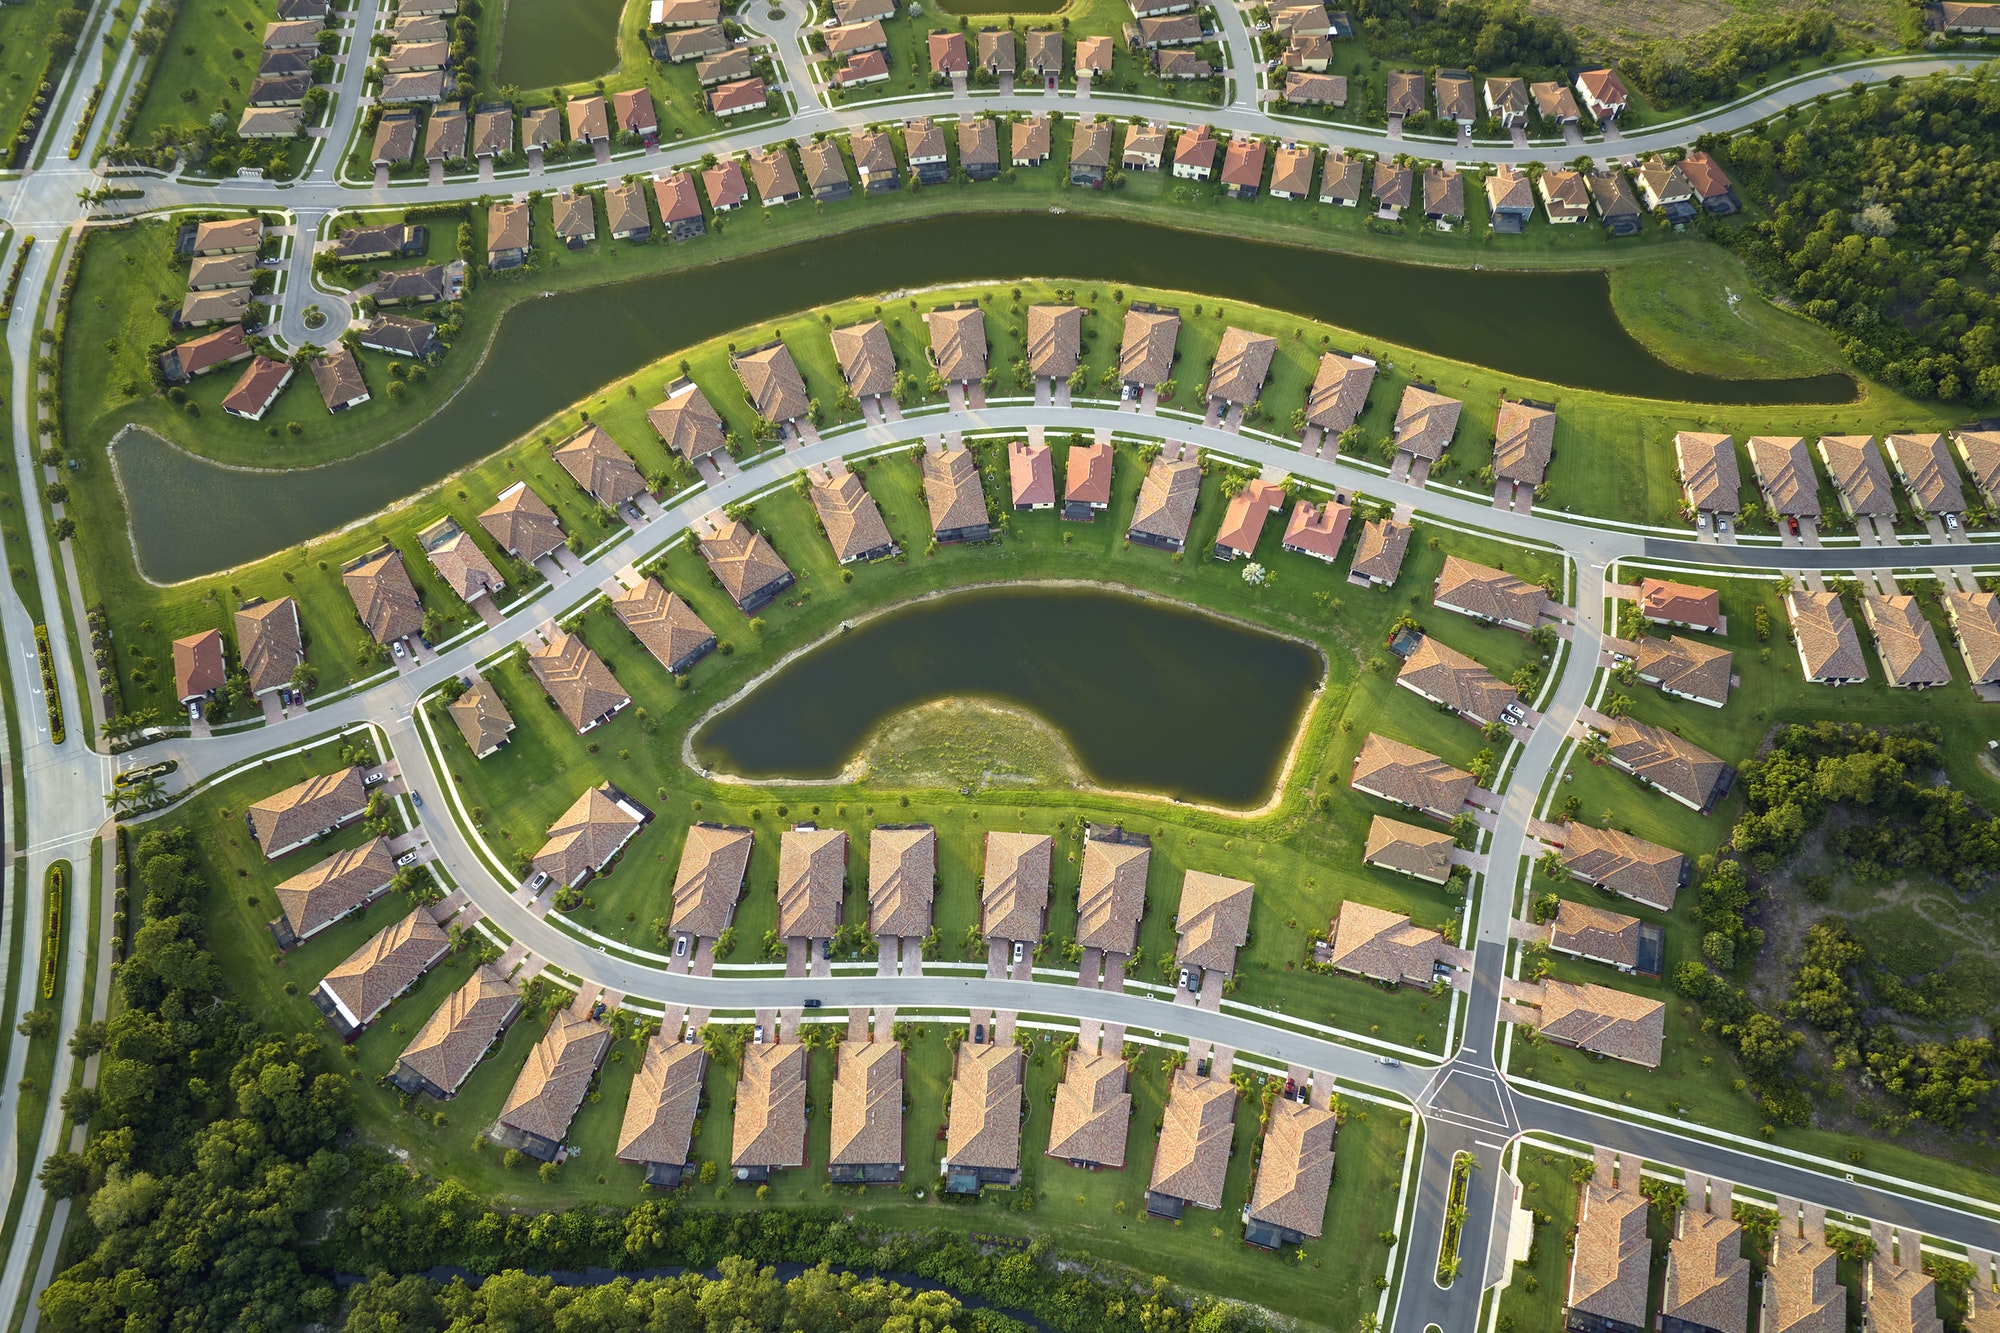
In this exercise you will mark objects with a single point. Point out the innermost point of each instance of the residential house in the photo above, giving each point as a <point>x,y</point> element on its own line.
<point>1603,93</point>
<point>771,378</point>
<point>853,523</point>
<point>1565,195</point>
<point>750,570</point>
<point>923,145</point>
<point>1603,1021</point>
<point>1555,102</point>
<point>199,309</point>
<point>508,231</point>
<point>588,120</point>
<point>958,343</point>
<point>541,127</point>
<point>1166,504</point>
<point>1044,54</point>
<point>575,219</point>
<point>692,44</point>
<point>596,463</point>
<point>1054,340</point>
<point>1339,392</point>
<point>1685,669</point>
<point>664,624</point>
<point>1242,363</point>
<point>680,206</point>
<point>1585,931</point>
<point>1194,154</point>
<point>1393,186</point>
<point>978,148</point>
<point>398,335</point>
<point>660,1110</point>
<point>1425,422</point>
<point>1090,153</point>
<point>481,717</point>
<point>996,51</point>
<point>1317,530</point>
<point>198,356</point>
<point>583,688</point>
<point>384,598</point>
<point>1292,171</point>
<point>1243,518</point>
<point>257,388</point>
<point>416,86</point>
<point>1710,483</point>
<point>445,134</point>
<point>270,645</point>
<point>1386,946</point>
<point>1409,850</point>
<point>1829,649</point>
<point>522,524</point>
<point>1510,200</point>
<point>1710,182</point>
<point>219,271</point>
<point>395,958</point>
<point>849,41</point>
<point>1213,923</point>
<point>862,11</point>
<point>1243,168</point>
<point>866,1147</point>
<point>493,131</point>
<point>708,883</point>
<point>1191,1157</point>
<point>1708,1279</point>
<point>586,837</point>
<point>1288,1202</point>
<point>948,55</point>
<point>1860,477</point>
<point>777,183</point>
<point>1905,642</point>
<point>1456,101</point>
<point>1784,471</point>
<point>1031,475</point>
<point>424,285</point>
<point>458,1035</point>
<point>1152,34</point>
<point>1087,481</point>
<point>826,170</point>
<point>1411,778</point>
<point>1676,768</point>
<point>342,884</point>
<point>875,161</point>
<point>726,186</point>
<point>1665,187</point>
<point>1448,678</point>
<point>199,668</point>
<point>634,113</point>
<point>282,122</point>
<point>867,361</point>
<point>1014,886</point>
<point>379,242</point>
<point>812,878</point>
<point>553,1084</point>
<point>1488,594</point>
<point>1093,56</point>
<point>983,1131</point>
<point>625,212</point>
<point>1622,864</point>
<point>1030,141</point>
<point>1663,602</point>
<point>1145,146</point>
<point>1405,93</point>
<point>1378,556</point>
<point>956,499</point>
<point>1111,897</point>
<point>459,562</point>
<point>1924,466</point>
<point>1305,87</point>
<point>737,98</point>
<point>1972,18</point>
<point>1610,1266</point>
<point>902,880</point>
<point>1802,1290</point>
<point>1093,1110</point>
<point>1981,451</point>
<point>1897,1296</point>
<point>1617,207</point>
<point>1507,101</point>
<point>1146,351</point>
<point>1975,623</point>
<point>1524,436</point>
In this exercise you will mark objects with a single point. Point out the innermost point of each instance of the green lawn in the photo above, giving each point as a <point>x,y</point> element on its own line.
<point>25,33</point>
<point>206,68</point>
<point>1534,1297</point>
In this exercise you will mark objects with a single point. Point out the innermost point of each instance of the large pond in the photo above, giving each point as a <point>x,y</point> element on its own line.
<point>548,353</point>
<point>1151,696</point>
<point>547,42</point>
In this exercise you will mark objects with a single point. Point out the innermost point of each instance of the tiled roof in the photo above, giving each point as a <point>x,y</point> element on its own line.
<point>522,523</point>
<point>1214,920</point>
<point>1146,356</point>
<point>1604,1021</point>
<point>958,342</point>
<point>1665,760</point>
<point>1410,848</point>
<point>1242,362</point>
<point>1392,184</point>
<point>384,597</point>
<point>1828,645</point>
<point>1409,776</point>
<point>1296,1170</point>
<point>1624,864</point>
<point>812,877</point>
<point>868,1105</point>
<point>1858,473</point>
<point>1340,175</point>
<point>625,209</point>
<point>1379,553</point>
<point>1145,141</point>
<point>1112,895</point>
<point>985,1123</point>
<point>1031,473</point>
<point>1339,392</point>
<point>772,170</point>
<point>1609,1274</point>
<point>1447,676</point>
<point>1708,1279</point>
<point>1405,91</point>
<point>978,143</point>
<point>1975,619</point>
<point>1384,945</point>
<point>825,167</point>
<point>585,836</point>
<point>459,1032</point>
<point>1680,603</point>
<point>1292,170</point>
<point>553,1083</point>
<point>508,227</point>
<point>302,810</point>
<point>714,861</point>
<point>853,523</point>
<point>1524,436</point>
<point>587,118</point>
<point>1981,451</point>
<point>772,380</point>
<point>662,621</point>
<point>1029,139</point>
<point>665,1097</point>
<point>1900,1299</point>
<point>1804,1286</point>
<point>677,198</point>
<point>1685,666</point>
<point>1455,98</point>
<point>336,886</point>
<point>594,459</point>
<point>459,562</point>
<point>198,664</point>
<point>1785,475</point>
<point>1553,101</point>
<point>952,489</point>
<point>482,718</point>
<point>1708,471</point>
<point>1928,473</point>
<point>1905,641</point>
<point>1055,335</point>
<point>1091,146</point>
<point>268,643</point>
<point>770,1124</point>
<point>1709,180</point>
<point>383,968</point>
<point>1425,421</point>
<point>1014,891</point>
<point>867,361</point>
<point>1087,473</point>
<point>1582,929</point>
<point>1192,1157</point>
<point>1166,498</point>
<point>1444,193</point>
<point>741,559</point>
<point>1243,517</point>
<point>577,679</point>
<point>1317,529</point>
<point>1092,1111</point>
<point>1195,147</point>
<point>902,880</point>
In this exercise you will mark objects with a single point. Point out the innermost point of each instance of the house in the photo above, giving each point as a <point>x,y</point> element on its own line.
<point>956,499</point>
<point>1385,946</point>
<point>1145,146</point>
<point>1610,1267</point>
<point>1622,864</point>
<point>1292,172</point>
<point>1685,669</point>
<point>1565,196</point>
<point>866,1147</point>
<point>1054,340</point>
<point>416,86</point>
<point>270,646</point>
<point>522,524</point>
<point>750,570</point>
<point>1710,182</point>
<point>344,883</point>
<point>983,1131</point>
<point>1710,483</point>
<point>634,113</point>
<point>1213,921</point>
<point>1674,767</point>
<point>546,1097</point>
<point>1288,1203</point>
<point>996,51</point>
<point>1243,168</point>
<point>1975,623</point>
<point>1149,8</point>
<point>1165,508</point>
<point>444,136</point>
<point>1981,451</point>
<point>482,718</point>
<point>383,242</point>
<point>384,598</point>
<point>1488,594</point>
<point>1510,200</point>
<point>1112,894</point>
<point>586,837</point>
<point>1406,776</point>
<point>978,148</point>
<point>923,146</point>
<point>416,57</point>
<point>1507,101</point>
<point>1602,1021</point>
<point>199,309</point>
<point>1014,887</point>
<point>493,131</point>
<point>727,189</point>
<point>771,379</point>
<point>867,361</point>
<point>1030,140</point>
<point>1860,477</point>
<point>1093,1110</point>
<point>218,271</point>
<point>850,12</point>
<point>1555,102</point>
<point>295,60</point>
<point>458,1035</point>
<point>1090,154</point>
<point>1191,1157</point>
<point>1602,936</point>
<point>1146,351</point>
<point>1087,481</point>
<point>1448,678</point>
<point>777,183</point>
<point>1456,101</point>
<point>1031,475</point>
<point>1829,649</point>
<point>1378,556</point>
<point>1974,19</point>
<point>680,205</point>
<point>1663,602</point>
<point>664,624</point>
<point>198,356</point>
<point>875,160</point>
<point>425,285</point>
<point>1784,471</point>
<point>1905,642</point>
<point>575,678</point>
<point>575,215</point>
<point>851,41</point>
<point>1311,88</point>
<point>588,121</point>
<point>735,65</point>
<point>283,122</point>
<point>1194,154</point>
<point>1242,362</point>
<point>1243,518</point>
<point>1393,186</point>
<point>1339,392</point>
<point>459,561</point>
<point>1317,530</point>
<point>660,1110</point>
<point>812,876</point>
<point>679,47</point>
<point>257,388</point>
<point>199,668</point>
<point>596,463</point>
<point>1409,850</point>
<point>1924,466</point>
<point>826,170</point>
<point>853,523</point>
<point>625,212</point>
<point>709,882</point>
<point>1045,54</point>
<point>1523,439</point>
<point>356,991</point>
<point>1617,207</point>
<point>902,880</point>
<point>1897,1296</point>
<point>508,231</point>
<point>948,54</point>
<point>1708,1279</point>
<point>1405,93</point>
<point>1309,53</point>
<point>1094,55</point>
<point>1151,34</point>
<point>1665,187</point>
<point>737,98</point>
<point>958,342</point>
<point>541,127</point>
<point>1603,93</point>
<point>292,36</point>
<point>400,336</point>
<point>1425,422</point>
<point>1802,1290</point>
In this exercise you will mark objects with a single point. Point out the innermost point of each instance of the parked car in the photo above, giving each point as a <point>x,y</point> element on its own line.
<point>377,776</point>
<point>1389,1060</point>
<point>541,877</point>
<point>1722,525</point>
<point>1194,980</point>
<point>194,710</point>
<point>408,858</point>
<point>760,1034</point>
<point>1020,950</point>
<point>1183,982</point>
<point>398,646</point>
<point>814,1004</point>
<point>416,798</point>
<point>1792,524</point>
<point>680,946</point>
<point>978,1033</point>
<point>1951,521</point>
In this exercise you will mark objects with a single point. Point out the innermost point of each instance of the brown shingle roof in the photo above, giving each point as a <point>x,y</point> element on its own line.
<point>1524,436</point>
<point>1900,1299</point>
<point>1829,648</point>
<point>1379,553</point>
<point>741,559</point>
<point>1785,475</point>
<point>902,878</point>
<point>1087,473</point>
<point>1296,1170</point>
<point>1409,776</point>
<point>1981,451</point>
<point>577,679</point>
<point>315,898</point>
<point>1684,666</point>
<point>1629,866</point>
<point>1928,473</point>
<point>1510,189</point>
<point>688,424</point>
<point>1055,335</point>
<point>386,966</point>
<point>1292,170</point>
<point>1975,620</point>
<point>867,361</point>
<point>1494,594</point>
<point>868,1105</point>
<point>772,170</point>
<point>304,809</point>
<point>384,597</point>
<point>492,131</point>
<point>777,391</point>
<point>1708,1279</point>
<point>714,861</point>
<point>1092,1111</point>
<point>1604,1021</point>
<point>985,1124</point>
<point>1214,920</point>
<point>1242,362</point>
<point>958,343</point>
<point>1112,895</point>
<point>1858,473</point>
<point>1678,767</point>
<point>1614,1258</point>
<point>587,118</point>
<point>1410,848</point>
<point>1425,421</point>
<point>662,621</point>
<point>508,227</point>
<point>1446,676</point>
<point>1709,476</point>
<point>978,143</point>
<point>1014,892</point>
<point>558,1074</point>
<point>1339,392</point>
<point>812,877</point>
<point>586,836</point>
<point>1384,945</point>
<point>661,1107</point>
<point>825,167</point>
<point>1091,146</point>
<point>1444,193</point>
<point>1146,356</point>
<point>594,459</point>
<point>1393,184</point>
<point>458,1034</point>
<point>522,523</point>
<point>952,490</point>
<point>853,523</point>
<point>1596,933</point>
<point>1905,641</point>
<point>1804,1285</point>
<point>482,718</point>
<point>770,1127</point>
<point>1031,473</point>
<point>1166,498</point>
<point>269,644</point>
<point>1029,139</point>
<point>625,209</point>
<point>1405,92</point>
<point>459,562</point>
<point>1191,1160</point>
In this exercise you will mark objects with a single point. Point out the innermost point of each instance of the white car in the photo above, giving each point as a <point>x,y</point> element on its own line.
<point>1951,521</point>
<point>1722,525</point>
<point>194,710</point>
<point>408,858</point>
<point>1020,950</point>
<point>760,1034</point>
<point>398,647</point>
<point>1183,983</point>
<point>535,884</point>
<point>680,946</point>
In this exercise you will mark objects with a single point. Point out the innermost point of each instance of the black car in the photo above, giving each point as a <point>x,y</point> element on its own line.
<point>814,1004</point>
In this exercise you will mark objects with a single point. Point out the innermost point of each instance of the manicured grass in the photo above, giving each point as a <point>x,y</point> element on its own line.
<point>25,33</point>
<point>1535,1295</point>
<point>206,68</point>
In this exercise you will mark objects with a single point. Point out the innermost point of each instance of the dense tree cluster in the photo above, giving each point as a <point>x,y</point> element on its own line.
<point>1711,66</point>
<point>1884,212</point>
<point>1476,34</point>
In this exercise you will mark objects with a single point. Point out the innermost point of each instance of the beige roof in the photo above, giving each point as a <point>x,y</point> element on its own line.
<point>867,361</point>
<point>1445,675</point>
<point>952,489</point>
<point>625,209</point>
<point>1524,436</point>
<point>923,141</point>
<point>1166,498</point>
<point>522,523</point>
<point>1707,464</point>
<point>996,51</point>
<point>1410,848</point>
<point>1665,760</point>
<point>1091,146</point>
<point>1626,865</point>
<point>1409,776</point>
<point>1191,1159</point>
<point>594,459</point>
<point>1146,356</point>
<point>459,562</point>
<point>231,270</point>
<point>1214,920</point>
<point>1339,392</point>
<point>269,644</point>
<point>586,836</point>
<point>1055,336</point>
<point>482,718</point>
<point>1708,1279</point>
<point>1031,473</point>
<point>1680,603</point>
<point>540,127</point>
<point>812,876</point>
<point>1981,451</point>
<point>553,1083</point>
<point>1828,646</point>
<point>772,380</point>
<point>825,167</point>
<point>577,679</point>
<point>1900,1299</point>
<point>1509,187</point>
<point>1014,890</point>
<point>1858,473</point>
<point>741,559</point>
<point>666,1096</point>
<point>1975,620</point>
<point>985,1124</point>
<point>1564,194</point>
<point>860,37</point>
<point>868,1105</point>
<point>384,597</point>
<point>458,1034</point>
<point>1425,421</point>
<point>1905,641</point>
<point>1481,590</point>
<point>853,523</point>
<point>1405,92</point>
<point>387,965</point>
<point>1603,1021</point>
<point>587,118</point>
<point>1785,475</point>
<point>714,861</point>
<point>1554,101</point>
<point>770,1126</point>
<point>1392,184</point>
<point>902,879</point>
<point>1928,473</point>
<point>978,143</point>
<point>1384,945</point>
<point>1242,362</point>
<point>304,809</point>
<point>1804,1286</point>
<point>492,131</point>
<point>958,342</point>
<point>1340,175</point>
<point>229,233</point>
<point>874,153</point>
<point>662,621</point>
<point>1508,95</point>
<point>214,307</point>
<point>1092,1111</point>
<point>1609,1274</point>
<point>1243,517</point>
<point>1044,52</point>
<point>1145,142</point>
<point>1094,54</point>
<point>336,886</point>
<point>1444,193</point>
<point>772,170</point>
<point>508,227</point>
<point>1685,666</point>
<point>1296,1170</point>
<point>689,425</point>
<point>1087,473</point>
<point>1379,552</point>
<point>1292,170</point>
<point>1595,932</point>
<point>1112,895</point>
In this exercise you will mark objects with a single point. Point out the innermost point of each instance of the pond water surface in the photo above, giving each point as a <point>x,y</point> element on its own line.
<point>547,42</point>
